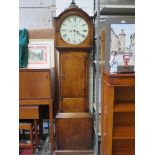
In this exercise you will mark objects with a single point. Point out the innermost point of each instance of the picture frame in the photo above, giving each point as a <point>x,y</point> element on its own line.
<point>119,44</point>
<point>40,54</point>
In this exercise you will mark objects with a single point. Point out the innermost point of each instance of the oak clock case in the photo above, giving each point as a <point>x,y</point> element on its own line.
<point>73,40</point>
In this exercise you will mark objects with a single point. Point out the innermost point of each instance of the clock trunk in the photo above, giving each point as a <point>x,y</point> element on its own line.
<point>73,81</point>
<point>73,121</point>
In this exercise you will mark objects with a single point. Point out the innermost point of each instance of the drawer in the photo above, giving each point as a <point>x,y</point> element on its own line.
<point>34,84</point>
<point>28,112</point>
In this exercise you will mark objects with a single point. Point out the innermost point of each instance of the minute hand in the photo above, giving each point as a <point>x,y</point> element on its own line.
<point>79,33</point>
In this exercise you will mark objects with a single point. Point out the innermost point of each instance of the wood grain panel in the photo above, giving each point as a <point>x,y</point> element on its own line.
<point>29,112</point>
<point>124,107</point>
<point>25,126</point>
<point>74,133</point>
<point>119,79</point>
<point>73,105</point>
<point>34,85</point>
<point>73,74</point>
<point>124,119</point>
<point>125,94</point>
<point>124,147</point>
<point>124,132</point>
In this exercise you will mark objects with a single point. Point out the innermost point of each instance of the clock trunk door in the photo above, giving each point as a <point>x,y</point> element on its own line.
<point>73,74</point>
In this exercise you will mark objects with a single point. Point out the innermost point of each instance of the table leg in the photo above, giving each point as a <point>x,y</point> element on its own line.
<point>36,132</point>
<point>51,125</point>
<point>40,128</point>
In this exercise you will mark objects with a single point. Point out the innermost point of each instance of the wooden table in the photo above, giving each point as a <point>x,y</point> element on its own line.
<point>49,103</point>
<point>36,88</point>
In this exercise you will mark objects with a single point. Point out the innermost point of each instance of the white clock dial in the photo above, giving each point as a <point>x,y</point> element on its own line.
<point>74,29</point>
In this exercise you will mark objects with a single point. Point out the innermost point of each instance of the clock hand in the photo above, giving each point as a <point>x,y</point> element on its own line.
<point>78,33</point>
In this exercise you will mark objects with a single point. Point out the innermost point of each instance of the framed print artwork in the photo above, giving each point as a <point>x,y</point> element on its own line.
<point>38,56</point>
<point>40,53</point>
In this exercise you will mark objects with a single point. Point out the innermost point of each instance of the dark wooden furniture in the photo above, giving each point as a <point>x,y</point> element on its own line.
<point>73,120</point>
<point>30,113</point>
<point>36,88</point>
<point>26,127</point>
<point>118,114</point>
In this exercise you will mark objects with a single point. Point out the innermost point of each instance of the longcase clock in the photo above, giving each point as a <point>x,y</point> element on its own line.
<point>73,41</point>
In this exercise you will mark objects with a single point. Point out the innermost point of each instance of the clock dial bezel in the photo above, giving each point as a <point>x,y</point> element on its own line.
<point>60,43</point>
<point>78,37</point>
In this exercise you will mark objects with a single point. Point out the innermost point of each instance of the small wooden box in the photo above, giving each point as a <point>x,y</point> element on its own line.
<point>74,131</point>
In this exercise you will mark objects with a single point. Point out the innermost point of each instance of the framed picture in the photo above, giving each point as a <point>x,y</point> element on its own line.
<point>40,53</point>
<point>120,44</point>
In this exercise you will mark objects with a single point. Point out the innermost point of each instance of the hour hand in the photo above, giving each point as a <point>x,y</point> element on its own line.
<point>78,33</point>
<point>83,36</point>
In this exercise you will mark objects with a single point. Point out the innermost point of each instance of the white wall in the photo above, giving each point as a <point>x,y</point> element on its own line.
<point>86,5</point>
<point>36,3</point>
<point>36,14</point>
<point>35,18</point>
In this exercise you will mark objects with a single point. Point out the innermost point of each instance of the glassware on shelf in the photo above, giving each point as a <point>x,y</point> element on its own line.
<point>126,58</point>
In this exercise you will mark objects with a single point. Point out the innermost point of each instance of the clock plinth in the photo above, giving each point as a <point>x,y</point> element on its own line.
<point>74,131</point>
<point>73,41</point>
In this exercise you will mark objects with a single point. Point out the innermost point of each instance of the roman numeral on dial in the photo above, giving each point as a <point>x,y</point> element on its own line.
<point>83,35</point>
<point>68,40</point>
<point>69,20</point>
<point>74,41</point>
<point>74,18</point>
<point>83,25</point>
<point>65,35</point>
